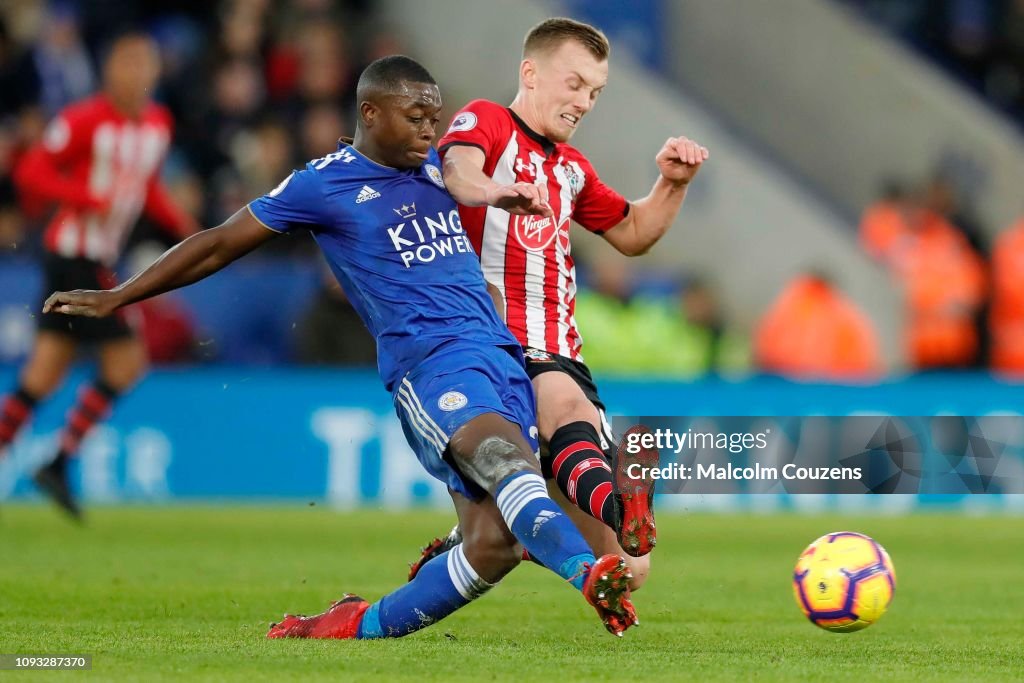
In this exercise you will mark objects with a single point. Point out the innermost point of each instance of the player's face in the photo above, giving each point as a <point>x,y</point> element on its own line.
<point>405,125</point>
<point>566,84</point>
<point>132,71</point>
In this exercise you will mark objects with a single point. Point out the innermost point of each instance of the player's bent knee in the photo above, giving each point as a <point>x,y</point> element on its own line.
<point>503,560</point>
<point>41,383</point>
<point>491,554</point>
<point>131,376</point>
<point>42,378</point>
<point>494,459</point>
<point>573,410</point>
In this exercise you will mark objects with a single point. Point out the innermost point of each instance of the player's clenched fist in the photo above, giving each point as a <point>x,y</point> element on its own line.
<point>680,159</point>
<point>522,199</point>
<point>90,303</point>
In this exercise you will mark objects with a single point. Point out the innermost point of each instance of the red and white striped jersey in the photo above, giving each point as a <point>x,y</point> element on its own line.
<point>103,170</point>
<point>527,257</point>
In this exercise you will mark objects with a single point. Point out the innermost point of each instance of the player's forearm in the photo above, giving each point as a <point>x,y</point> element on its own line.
<point>654,214</point>
<point>190,261</point>
<point>197,257</point>
<point>200,256</point>
<point>468,184</point>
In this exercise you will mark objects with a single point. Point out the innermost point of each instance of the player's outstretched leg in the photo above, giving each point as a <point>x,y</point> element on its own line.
<point>445,584</point>
<point>93,405</point>
<point>602,539</point>
<point>51,357</point>
<point>122,362</point>
<point>448,582</point>
<point>454,537</point>
<point>15,409</point>
<point>492,452</point>
<point>578,463</point>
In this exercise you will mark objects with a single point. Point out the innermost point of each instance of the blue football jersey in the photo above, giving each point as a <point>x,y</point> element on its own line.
<point>394,240</point>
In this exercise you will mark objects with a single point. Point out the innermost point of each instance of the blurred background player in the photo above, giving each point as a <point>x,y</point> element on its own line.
<point>813,331</point>
<point>380,213</point>
<point>487,147</point>
<point>99,161</point>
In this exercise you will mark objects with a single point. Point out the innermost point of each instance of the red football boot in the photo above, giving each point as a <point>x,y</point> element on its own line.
<point>607,589</point>
<point>435,548</point>
<point>634,498</point>
<point>441,545</point>
<point>340,621</point>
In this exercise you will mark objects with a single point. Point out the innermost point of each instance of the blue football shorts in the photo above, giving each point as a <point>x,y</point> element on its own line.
<point>456,383</point>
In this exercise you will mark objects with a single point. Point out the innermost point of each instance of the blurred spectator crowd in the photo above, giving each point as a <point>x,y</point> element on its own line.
<point>980,41</point>
<point>964,298</point>
<point>963,304</point>
<point>257,87</point>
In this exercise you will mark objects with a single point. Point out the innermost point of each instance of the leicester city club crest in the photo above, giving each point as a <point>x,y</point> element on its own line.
<point>434,173</point>
<point>452,400</point>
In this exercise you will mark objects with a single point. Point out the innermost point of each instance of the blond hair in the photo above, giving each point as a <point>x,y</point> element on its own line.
<point>549,35</point>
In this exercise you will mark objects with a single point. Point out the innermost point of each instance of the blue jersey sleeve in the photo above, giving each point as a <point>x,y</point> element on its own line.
<point>294,204</point>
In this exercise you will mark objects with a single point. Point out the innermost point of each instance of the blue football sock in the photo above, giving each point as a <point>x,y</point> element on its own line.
<point>442,586</point>
<point>540,525</point>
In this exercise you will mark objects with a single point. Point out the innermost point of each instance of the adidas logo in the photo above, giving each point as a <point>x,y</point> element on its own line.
<point>544,517</point>
<point>366,194</point>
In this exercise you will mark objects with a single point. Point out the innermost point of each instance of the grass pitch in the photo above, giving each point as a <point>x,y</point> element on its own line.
<point>169,593</point>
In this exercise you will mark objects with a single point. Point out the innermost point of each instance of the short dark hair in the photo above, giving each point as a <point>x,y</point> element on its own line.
<point>549,34</point>
<point>385,76</point>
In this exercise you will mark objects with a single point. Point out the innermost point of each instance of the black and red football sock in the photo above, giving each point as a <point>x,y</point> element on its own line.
<point>581,470</point>
<point>94,403</point>
<point>17,407</point>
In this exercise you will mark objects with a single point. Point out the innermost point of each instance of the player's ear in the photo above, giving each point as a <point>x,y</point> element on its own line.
<point>368,112</point>
<point>528,73</point>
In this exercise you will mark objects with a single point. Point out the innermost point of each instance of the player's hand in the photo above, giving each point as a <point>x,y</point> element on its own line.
<point>521,199</point>
<point>89,303</point>
<point>680,159</point>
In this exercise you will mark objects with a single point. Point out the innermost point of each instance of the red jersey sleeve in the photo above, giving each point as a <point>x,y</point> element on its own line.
<point>598,207</point>
<point>481,124</point>
<point>45,170</point>
<point>68,137</point>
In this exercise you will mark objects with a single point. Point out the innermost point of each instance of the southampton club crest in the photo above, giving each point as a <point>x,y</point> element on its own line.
<point>573,176</point>
<point>537,355</point>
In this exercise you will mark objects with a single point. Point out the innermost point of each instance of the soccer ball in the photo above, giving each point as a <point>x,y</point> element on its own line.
<point>844,582</point>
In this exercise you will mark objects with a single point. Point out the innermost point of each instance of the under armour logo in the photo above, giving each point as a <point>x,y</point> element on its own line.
<point>525,168</point>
